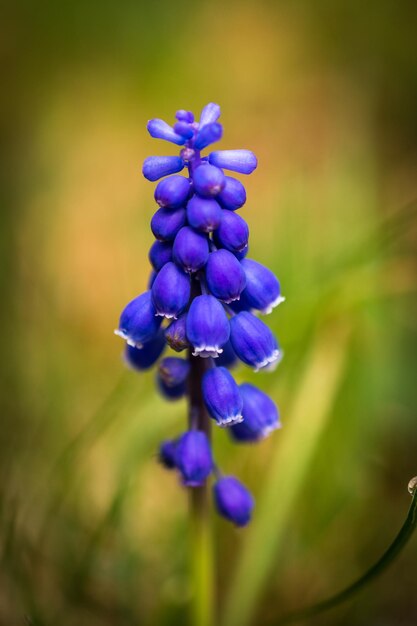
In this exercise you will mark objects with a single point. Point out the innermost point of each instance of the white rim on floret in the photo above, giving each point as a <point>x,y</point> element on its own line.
<point>230,420</point>
<point>272,306</point>
<point>130,342</point>
<point>270,429</point>
<point>230,299</point>
<point>270,362</point>
<point>168,316</point>
<point>207,351</point>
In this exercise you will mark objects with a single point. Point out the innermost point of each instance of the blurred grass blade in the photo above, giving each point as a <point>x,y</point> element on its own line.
<point>380,566</point>
<point>303,428</point>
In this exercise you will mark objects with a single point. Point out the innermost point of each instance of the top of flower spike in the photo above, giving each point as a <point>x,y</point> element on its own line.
<point>194,137</point>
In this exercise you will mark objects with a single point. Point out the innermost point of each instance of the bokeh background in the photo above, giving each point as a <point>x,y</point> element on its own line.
<point>92,531</point>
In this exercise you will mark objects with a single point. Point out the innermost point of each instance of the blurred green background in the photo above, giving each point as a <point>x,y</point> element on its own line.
<point>92,531</point>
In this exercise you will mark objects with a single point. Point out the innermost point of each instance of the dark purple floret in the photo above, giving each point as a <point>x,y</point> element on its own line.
<point>253,341</point>
<point>233,500</point>
<point>172,192</point>
<point>191,249</point>
<point>166,223</point>
<point>208,135</point>
<point>204,214</point>
<point>160,253</point>
<point>208,180</point>
<point>138,322</point>
<point>184,116</point>
<point>161,130</point>
<point>173,370</point>
<point>168,453</point>
<point>143,358</point>
<point>207,326</point>
<point>184,129</point>
<point>260,415</point>
<point>233,232</point>
<point>225,277</point>
<point>233,194</point>
<point>194,458</point>
<point>171,291</point>
<point>222,396</point>
<point>175,334</point>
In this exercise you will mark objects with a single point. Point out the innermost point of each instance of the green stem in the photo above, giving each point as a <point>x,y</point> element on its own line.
<point>202,562</point>
<point>386,559</point>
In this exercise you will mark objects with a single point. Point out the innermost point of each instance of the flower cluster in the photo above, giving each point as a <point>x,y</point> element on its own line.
<point>203,297</point>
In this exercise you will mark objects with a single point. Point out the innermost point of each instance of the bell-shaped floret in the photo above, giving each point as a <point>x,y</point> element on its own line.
<point>233,500</point>
<point>194,458</point>
<point>207,326</point>
<point>260,415</point>
<point>233,232</point>
<point>191,249</point>
<point>143,358</point>
<point>160,253</point>
<point>204,214</point>
<point>253,341</point>
<point>208,134</point>
<point>233,194</point>
<point>175,334</point>
<point>208,180</point>
<point>263,291</point>
<point>172,192</point>
<point>209,114</point>
<point>225,276</point>
<point>138,322</point>
<point>222,397</point>
<point>171,291</point>
<point>166,223</point>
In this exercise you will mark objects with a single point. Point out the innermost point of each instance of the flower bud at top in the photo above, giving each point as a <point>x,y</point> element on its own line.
<point>233,500</point>
<point>138,322</point>
<point>175,334</point>
<point>143,358</point>
<point>171,291</point>
<point>184,116</point>
<point>207,326</point>
<point>209,114</point>
<point>208,180</point>
<point>233,232</point>
<point>156,167</point>
<point>161,130</point>
<point>166,223</point>
<point>194,458</point>
<point>242,161</point>
<point>253,341</point>
<point>167,454</point>
<point>222,397</point>
<point>263,290</point>
<point>204,214</point>
<point>160,253</point>
<point>225,277</point>
<point>260,415</point>
<point>207,135</point>
<point>233,194</point>
<point>184,129</point>
<point>172,192</point>
<point>191,249</point>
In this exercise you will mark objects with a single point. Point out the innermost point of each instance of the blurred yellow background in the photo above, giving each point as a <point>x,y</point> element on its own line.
<point>92,531</point>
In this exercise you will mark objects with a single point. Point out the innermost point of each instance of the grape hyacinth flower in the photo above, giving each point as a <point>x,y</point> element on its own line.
<point>203,297</point>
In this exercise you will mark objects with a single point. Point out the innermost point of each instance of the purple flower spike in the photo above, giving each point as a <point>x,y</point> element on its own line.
<point>253,341</point>
<point>172,192</point>
<point>166,223</point>
<point>241,161</point>
<point>209,114</point>
<point>233,194</point>
<point>161,130</point>
<point>143,358</point>
<point>208,180</point>
<point>233,500</point>
<point>207,326</point>
<point>204,214</point>
<point>260,415</point>
<point>191,249</point>
<point>168,454</point>
<point>207,135</point>
<point>160,253</point>
<point>156,167</point>
<point>171,291</point>
<point>175,334</point>
<point>263,290</point>
<point>225,276</point>
<point>194,458</point>
<point>138,322</point>
<point>222,396</point>
<point>233,232</point>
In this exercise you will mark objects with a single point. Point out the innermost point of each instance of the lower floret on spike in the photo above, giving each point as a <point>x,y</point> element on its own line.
<point>222,397</point>
<point>260,415</point>
<point>207,326</point>
<point>138,322</point>
<point>233,500</point>
<point>194,458</point>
